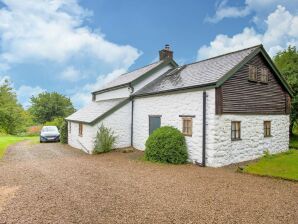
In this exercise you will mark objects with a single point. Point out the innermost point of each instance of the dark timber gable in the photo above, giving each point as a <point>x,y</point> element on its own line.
<point>238,95</point>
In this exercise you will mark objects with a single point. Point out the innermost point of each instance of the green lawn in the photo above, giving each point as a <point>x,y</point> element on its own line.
<point>282,165</point>
<point>6,141</point>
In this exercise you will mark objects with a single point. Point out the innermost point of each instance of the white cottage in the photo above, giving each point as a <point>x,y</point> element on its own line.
<point>231,108</point>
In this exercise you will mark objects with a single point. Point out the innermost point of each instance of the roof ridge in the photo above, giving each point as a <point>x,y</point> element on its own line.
<point>141,67</point>
<point>221,55</point>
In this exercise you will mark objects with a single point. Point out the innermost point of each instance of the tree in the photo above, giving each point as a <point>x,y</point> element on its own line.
<point>48,106</point>
<point>287,63</point>
<point>13,118</point>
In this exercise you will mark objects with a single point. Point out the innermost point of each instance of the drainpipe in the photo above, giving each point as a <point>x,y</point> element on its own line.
<point>203,163</point>
<point>204,130</point>
<point>131,128</point>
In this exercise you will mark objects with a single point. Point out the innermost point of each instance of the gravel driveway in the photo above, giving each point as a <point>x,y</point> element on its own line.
<point>51,183</point>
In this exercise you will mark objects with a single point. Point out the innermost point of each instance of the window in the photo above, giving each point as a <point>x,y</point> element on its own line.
<point>154,123</point>
<point>69,127</point>
<point>264,75</point>
<point>80,129</point>
<point>267,128</point>
<point>236,130</point>
<point>252,73</point>
<point>187,126</point>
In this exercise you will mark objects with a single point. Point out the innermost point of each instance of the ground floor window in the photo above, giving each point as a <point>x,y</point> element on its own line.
<point>69,127</point>
<point>80,129</point>
<point>187,126</point>
<point>267,128</point>
<point>154,123</point>
<point>236,130</point>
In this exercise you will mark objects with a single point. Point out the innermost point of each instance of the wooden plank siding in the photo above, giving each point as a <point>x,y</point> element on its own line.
<point>238,95</point>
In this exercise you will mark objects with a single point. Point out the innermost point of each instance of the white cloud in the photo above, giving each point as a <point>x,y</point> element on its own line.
<point>24,93</point>
<point>260,8</point>
<point>280,32</point>
<point>83,96</point>
<point>53,30</point>
<point>71,74</point>
<point>224,11</point>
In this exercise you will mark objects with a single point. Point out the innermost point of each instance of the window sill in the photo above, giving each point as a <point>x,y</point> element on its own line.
<point>268,136</point>
<point>236,139</point>
<point>255,81</point>
<point>187,135</point>
<point>264,83</point>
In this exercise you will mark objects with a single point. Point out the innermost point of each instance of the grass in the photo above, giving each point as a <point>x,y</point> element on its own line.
<point>283,165</point>
<point>8,140</point>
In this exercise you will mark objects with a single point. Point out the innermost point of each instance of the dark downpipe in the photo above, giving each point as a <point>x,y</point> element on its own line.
<point>131,128</point>
<point>203,163</point>
<point>204,130</point>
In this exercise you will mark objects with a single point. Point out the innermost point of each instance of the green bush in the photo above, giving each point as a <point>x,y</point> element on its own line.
<point>105,140</point>
<point>167,145</point>
<point>64,132</point>
<point>57,121</point>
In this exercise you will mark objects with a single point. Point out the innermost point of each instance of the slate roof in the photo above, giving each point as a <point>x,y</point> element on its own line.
<point>130,76</point>
<point>205,72</point>
<point>94,110</point>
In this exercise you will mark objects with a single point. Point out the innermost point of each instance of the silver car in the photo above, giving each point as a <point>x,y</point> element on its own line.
<point>49,134</point>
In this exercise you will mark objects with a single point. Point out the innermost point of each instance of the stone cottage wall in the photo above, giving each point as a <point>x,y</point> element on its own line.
<point>119,122</point>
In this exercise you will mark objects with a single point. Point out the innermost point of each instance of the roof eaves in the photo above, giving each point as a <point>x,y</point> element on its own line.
<point>198,87</point>
<point>110,88</point>
<point>110,111</point>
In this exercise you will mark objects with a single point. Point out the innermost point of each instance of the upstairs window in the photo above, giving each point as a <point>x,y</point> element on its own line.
<point>236,130</point>
<point>80,129</point>
<point>264,75</point>
<point>252,73</point>
<point>187,126</point>
<point>267,128</point>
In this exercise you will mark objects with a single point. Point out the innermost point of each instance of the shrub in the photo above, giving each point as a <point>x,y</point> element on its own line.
<point>57,121</point>
<point>64,132</point>
<point>167,145</point>
<point>105,140</point>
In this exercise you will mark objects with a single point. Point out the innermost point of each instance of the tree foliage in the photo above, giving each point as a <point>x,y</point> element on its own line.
<point>48,106</point>
<point>13,118</point>
<point>287,63</point>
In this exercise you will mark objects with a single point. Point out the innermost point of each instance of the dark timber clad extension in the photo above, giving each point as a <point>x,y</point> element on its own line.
<point>238,95</point>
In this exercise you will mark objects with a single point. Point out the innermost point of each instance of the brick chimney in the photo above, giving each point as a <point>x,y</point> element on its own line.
<point>165,53</point>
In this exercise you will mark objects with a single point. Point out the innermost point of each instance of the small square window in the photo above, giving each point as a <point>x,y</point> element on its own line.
<point>80,129</point>
<point>252,73</point>
<point>267,128</point>
<point>236,130</point>
<point>264,75</point>
<point>187,126</point>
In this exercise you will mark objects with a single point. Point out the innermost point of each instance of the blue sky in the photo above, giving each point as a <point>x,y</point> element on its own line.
<point>75,47</point>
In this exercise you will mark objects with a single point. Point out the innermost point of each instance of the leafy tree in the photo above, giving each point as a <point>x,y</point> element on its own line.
<point>287,63</point>
<point>47,106</point>
<point>105,140</point>
<point>13,118</point>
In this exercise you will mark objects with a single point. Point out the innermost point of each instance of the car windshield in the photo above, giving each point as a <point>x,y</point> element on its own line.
<point>49,128</point>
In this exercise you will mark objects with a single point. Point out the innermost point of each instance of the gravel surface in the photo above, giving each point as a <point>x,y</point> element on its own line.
<point>51,183</point>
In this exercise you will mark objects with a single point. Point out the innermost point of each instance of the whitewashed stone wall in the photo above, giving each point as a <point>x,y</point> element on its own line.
<point>119,122</point>
<point>252,145</point>
<point>170,106</point>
